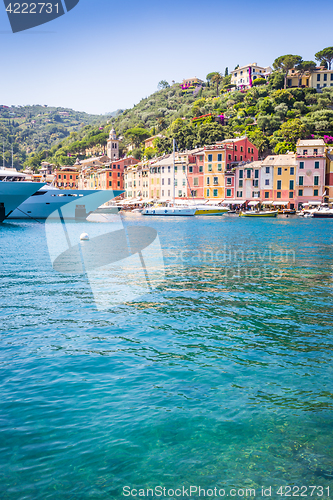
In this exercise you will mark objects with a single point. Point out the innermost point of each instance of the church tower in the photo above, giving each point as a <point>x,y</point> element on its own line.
<point>113,145</point>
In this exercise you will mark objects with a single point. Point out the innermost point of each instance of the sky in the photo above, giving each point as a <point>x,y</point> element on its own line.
<point>105,55</point>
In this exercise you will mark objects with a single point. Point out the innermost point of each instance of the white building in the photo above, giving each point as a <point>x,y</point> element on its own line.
<point>113,145</point>
<point>244,76</point>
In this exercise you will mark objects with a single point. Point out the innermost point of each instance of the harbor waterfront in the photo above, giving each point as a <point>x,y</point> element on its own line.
<point>219,378</point>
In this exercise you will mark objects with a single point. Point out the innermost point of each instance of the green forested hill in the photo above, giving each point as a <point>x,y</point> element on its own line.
<point>32,129</point>
<point>272,117</point>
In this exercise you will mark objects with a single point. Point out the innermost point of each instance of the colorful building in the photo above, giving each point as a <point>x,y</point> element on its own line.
<point>214,169</point>
<point>278,180</point>
<point>195,174</point>
<point>318,78</point>
<point>329,176</point>
<point>244,77</point>
<point>67,178</point>
<point>310,170</point>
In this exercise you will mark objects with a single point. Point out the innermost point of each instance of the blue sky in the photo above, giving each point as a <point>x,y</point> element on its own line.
<point>104,55</point>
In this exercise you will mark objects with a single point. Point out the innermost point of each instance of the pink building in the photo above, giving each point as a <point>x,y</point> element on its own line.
<point>195,174</point>
<point>310,170</point>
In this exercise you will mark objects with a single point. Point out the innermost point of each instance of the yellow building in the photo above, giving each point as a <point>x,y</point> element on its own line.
<point>318,78</point>
<point>214,172</point>
<point>282,183</point>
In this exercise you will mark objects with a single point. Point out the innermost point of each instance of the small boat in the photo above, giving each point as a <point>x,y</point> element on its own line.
<point>289,211</point>
<point>261,213</point>
<point>209,209</point>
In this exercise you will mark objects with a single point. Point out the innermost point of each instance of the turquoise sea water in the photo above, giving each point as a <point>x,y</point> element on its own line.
<point>220,378</point>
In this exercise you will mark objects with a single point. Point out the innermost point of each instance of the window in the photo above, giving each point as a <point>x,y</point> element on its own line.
<point>305,151</point>
<point>315,151</point>
<point>291,185</point>
<point>291,194</point>
<point>251,150</point>
<point>300,192</point>
<point>240,183</point>
<point>241,158</point>
<point>301,164</point>
<point>168,192</point>
<point>316,164</point>
<point>251,158</point>
<point>210,168</point>
<point>219,157</point>
<point>315,192</point>
<point>278,185</point>
<point>210,157</point>
<point>194,194</point>
<point>279,172</point>
<point>162,182</point>
<point>207,192</point>
<point>325,77</point>
<point>195,181</point>
<point>331,76</point>
<point>292,170</point>
<point>65,176</point>
<point>267,170</point>
<point>248,150</point>
<point>241,149</point>
<point>179,193</point>
<point>239,194</point>
<point>229,157</point>
<point>169,181</point>
<point>318,78</point>
<point>175,182</point>
<point>215,192</point>
<point>201,169</point>
<point>184,182</point>
<point>266,182</point>
<point>162,192</point>
<point>110,183</point>
<point>219,167</point>
<point>235,148</point>
<point>256,174</point>
<point>316,180</point>
<point>162,173</point>
<point>190,169</point>
<point>278,194</point>
<point>216,181</point>
<point>266,194</point>
<point>228,181</point>
<point>248,174</point>
<point>235,158</point>
<point>228,192</point>
<point>169,168</point>
<point>208,181</point>
<point>255,183</point>
<point>241,174</point>
<point>300,180</point>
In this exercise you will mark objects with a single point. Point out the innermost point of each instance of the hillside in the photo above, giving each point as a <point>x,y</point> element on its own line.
<point>272,117</point>
<point>31,129</point>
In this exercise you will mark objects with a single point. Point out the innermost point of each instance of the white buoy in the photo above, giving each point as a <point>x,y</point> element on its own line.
<point>84,237</point>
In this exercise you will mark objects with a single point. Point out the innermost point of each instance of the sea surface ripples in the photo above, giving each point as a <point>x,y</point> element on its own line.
<point>220,377</point>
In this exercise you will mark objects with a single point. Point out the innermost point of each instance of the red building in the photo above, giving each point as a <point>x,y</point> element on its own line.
<point>195,174</point>
<point>240,149</point>
<point>67,177</point>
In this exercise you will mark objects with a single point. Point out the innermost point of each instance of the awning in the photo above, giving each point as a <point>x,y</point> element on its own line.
<point>270,202</point>
<point>253,203</point>
<point>280,203</point>
<point>234,202</point>
<point>312,203</point>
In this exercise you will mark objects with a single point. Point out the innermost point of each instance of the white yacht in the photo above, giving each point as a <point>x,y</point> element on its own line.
<point>14,190</point>
<point>48,200</point>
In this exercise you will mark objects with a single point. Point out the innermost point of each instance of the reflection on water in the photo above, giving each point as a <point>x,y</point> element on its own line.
<point>222,377</point>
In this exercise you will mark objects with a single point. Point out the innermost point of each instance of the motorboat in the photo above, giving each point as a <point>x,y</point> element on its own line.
<point>209,209</point>
<point>261,213</point>
<point>49,200</point>
<point>169,210</point>
<point>14,190</point>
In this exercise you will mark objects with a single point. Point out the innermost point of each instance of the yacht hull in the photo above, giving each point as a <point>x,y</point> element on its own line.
<point>169,211</point>
<point>12,194</point>
<point>45,203</point>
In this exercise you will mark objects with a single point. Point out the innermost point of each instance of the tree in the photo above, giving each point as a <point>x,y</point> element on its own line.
<point>325,55</point>
<point>258,138</point>
<point>217,78</point>
<point>293,130</point>
<point>304,67</point>
<point>163,84</point>
<point>137,135</point>
<point>226,72</point>
<point>285,63</point>
<point>210,76</point>
<point>283,147</point>
<point>259,81</point>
